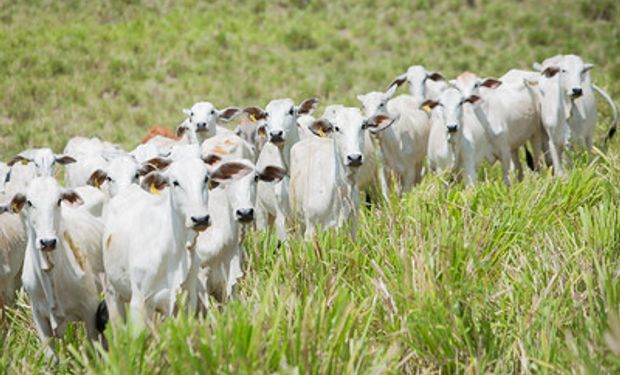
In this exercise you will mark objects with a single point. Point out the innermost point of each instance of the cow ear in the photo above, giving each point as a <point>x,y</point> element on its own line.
<point>18,159</point>
<point>272,174</point>
<point>491,83</point>
<point>321,127</point>
<point>211,159</point>
<point>71,198</point>
<point>17,203</point>
<point>550,71</point>
<point>378,123</point>
<point>398,81</point>
<point>587,67</point>
<point>255,113</point>
<point>472,99</point>
<point>159,162</point>
<point>181,129</point>
<point>435,76</point>
<point>64,159</point>
<point>154,183</point>
<point>307,106</point>
<point>390,92</point>
<point>262,130</point>
<point>428,105</point>
<point>229,171</point>
<point>97,178</point>
<point>188,112</point>
<point>145,169</point>
<point>228,114</point>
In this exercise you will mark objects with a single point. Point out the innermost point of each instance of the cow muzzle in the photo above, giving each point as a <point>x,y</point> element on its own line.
<point>452,128</point>
<point>576,92</point>
<point>245,215</point>
<point>48,244</point>
<point>201,127</point>
<point>276,136</point>
<point>200,223</point>
<point>354,160</point>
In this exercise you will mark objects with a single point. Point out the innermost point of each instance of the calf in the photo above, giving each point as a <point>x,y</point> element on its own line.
<point>57,275</point>
<point>423,84</point>
<point>44,160</point>
<point>202,121</point>
<point>323,170</point>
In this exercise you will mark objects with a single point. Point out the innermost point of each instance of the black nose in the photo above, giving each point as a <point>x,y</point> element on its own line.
<point>48,245</point>
<point>577,92</point>
<point>452,128</point>
<point>276,136</point>
<point>355,160</point>
<point>245,215</point>
<point>200,222</point>
<point>201,125</point>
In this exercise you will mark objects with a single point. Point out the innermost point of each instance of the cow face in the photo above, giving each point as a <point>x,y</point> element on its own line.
<point>120,173</point>
<point>375,103</point>
<point>279,119</point>
<point>574,75</point>
<point>202,120</point>
<point>40,209</point>
<point>417,77</point>
<point>44,159</point>
<point>470,84</point>
<point>452,101</point>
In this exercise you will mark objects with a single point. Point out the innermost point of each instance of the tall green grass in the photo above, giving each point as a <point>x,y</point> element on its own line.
<point>442,280</point>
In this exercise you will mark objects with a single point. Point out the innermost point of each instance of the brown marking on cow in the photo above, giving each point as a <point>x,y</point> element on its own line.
<point>161,131</point>
<point>219,150</point>
<point>77,254</point>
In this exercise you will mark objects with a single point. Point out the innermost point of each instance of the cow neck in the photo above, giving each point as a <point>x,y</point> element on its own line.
<point>285,151</point>
<point>180,232</point>
<point>224,222</point>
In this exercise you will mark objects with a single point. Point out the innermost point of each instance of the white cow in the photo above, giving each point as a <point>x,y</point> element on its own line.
<point>43,158</point>
<point>57,275</point>
<point>248,130</point>
<point>457,140</point>
<point>280,126</point>
<point>202,121</point>
<point>12,248</point>
<point>90,154</point>
<point>146,257</point>
<point>403,145</point>
<point>323,188</point>
<point>18,177</point>
<point>227,146</point>
<point>577,84</point>
<point>423,84</point>
<point>231,206</point>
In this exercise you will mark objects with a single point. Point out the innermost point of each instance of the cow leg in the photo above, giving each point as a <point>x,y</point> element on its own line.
<point>555,158</point>
<point>44,331</point>
<point>506,164</point>
<point>514,154</point>
<point>536,142</point>
<point>137,308</point>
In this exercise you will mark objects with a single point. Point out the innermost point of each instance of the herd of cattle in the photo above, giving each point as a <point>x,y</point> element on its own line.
<point>169,216</point>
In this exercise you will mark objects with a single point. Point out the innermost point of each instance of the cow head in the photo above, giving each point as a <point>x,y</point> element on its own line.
<point>40,210</point>
<point>122,172</point>
<point>573,72</point>
<point>451,102</point>
<point>44,159</point>
<point>279,119</point>
<point>375,103</point>
<point>469,83</point>
<point>202,120</point>
<point>418,79</point>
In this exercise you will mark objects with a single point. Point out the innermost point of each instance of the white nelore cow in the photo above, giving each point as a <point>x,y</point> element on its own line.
<point>323,188</point>
<point>202,121</point>
<point>404,144</point>
<point>43,158</point>
<point>423,84</point>
<point>575,80</point>
<point>279,122</point>
<point>457,140</point>
<point>90,154</point>
<point>12,248</point>
<point>227,146</point>
<point>57,274</point>
<point>146,256</point>
<point>231,206</point>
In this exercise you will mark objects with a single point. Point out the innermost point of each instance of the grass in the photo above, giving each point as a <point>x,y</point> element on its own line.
<point>486,279</point>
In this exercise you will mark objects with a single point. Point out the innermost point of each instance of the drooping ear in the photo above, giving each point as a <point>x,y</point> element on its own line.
<point>537,66</point>
<point>64,159</point>
<point>181,129</point>
<point>378,123</point>
<point>188,112</point>
<point>229,171</point>
<point>435,76</point>
<point>472,99</point>
<point>17,203</point>
<point>97,178</point>
<point>307,106</point>
<point>321,127</point>
<point>398,81</point>
<point>211,159</point>
<point>159,162</point>
<point>145,169</point>
<point>261,130</point>
<point>255,113</point>
<point>587,67</point>
<point>272,173</point>
<point>428,105</point>
<point>390,92</point>
<point>154,183</point>
<point>228,114</point>
<point>71,198</point>
<point>491,83</point>
<point>550,71</point>
<point>17,159</point>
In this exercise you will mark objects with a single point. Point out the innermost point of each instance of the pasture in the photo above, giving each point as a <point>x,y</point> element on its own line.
<point>443,280</point>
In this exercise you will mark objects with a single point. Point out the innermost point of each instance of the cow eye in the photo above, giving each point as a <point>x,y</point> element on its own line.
<point>255,178</point>
<point>176,183</point>
<point>29,203</point>
<point>59,201</point>
<point>213,111</point>
<point>191,114</point>
<point>336,128</point>
<point>381,104</point>
<point>291,111</point>
<point>108,178</point>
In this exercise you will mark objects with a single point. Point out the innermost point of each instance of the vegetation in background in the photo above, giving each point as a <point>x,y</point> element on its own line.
<point>447,280</point>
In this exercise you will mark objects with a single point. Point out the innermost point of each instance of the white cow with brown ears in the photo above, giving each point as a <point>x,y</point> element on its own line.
<point>279,123</point>
<point>423,84</point>
<point>43,158</point>
<point>57,274</point>
<point>202,121</point>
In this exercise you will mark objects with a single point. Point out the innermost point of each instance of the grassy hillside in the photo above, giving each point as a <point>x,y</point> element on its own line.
<point>446,280</point>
